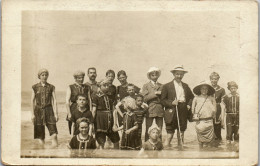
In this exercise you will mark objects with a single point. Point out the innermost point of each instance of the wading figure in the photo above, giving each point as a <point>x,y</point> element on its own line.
<point>44,111</point>
<point>204,112</point>
<point>78,88</point>
<point>176,94</point>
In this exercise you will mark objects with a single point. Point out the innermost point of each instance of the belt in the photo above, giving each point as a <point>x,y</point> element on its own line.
<point>231,113</point>
<point>202,119</point>
<point>39,106</point>
<point>104,111</point>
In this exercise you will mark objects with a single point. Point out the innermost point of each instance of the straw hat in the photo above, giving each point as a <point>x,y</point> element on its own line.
<point>153,69</point>
<point>179,68</point>
<point>196,90</point>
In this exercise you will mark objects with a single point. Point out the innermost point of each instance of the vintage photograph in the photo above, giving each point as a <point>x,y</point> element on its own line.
<point>134,84</point>
<point>160,83</point>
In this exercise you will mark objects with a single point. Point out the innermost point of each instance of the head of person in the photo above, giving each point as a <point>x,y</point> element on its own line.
<point>81,100</point>
<point>154,132</point>
<point>110,75</point>
<point>214,77</point>
<point>43,75</point>
<point>153,74</point>
<point>131,89</point>
<point>79,77</point>
<point>232,86</point>
<point>139,99</point>
<point>122,77</point>
<point>104,85</point>
<point>178,72</point>
<point>204,88</point>
<point>92,73</point>
<point>129,104</point>
<point>83,124</point>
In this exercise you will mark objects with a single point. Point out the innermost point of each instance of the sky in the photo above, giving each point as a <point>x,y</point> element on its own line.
<point>66,41</point>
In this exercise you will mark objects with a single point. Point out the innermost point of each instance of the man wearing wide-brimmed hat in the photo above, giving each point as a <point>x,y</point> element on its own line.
<point>152,92</point>
<point>176,95</point>
<point>73,91</point>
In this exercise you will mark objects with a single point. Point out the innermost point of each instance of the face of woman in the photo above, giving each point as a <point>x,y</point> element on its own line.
<point>110,77</point>
<point>79,79</point>
<point>204,90</point>
<point>104,87</point>
<point>122,79</point>
<point>214,80</point>
<point>83,128</point>
<point>44,77</point>
<point>154,134</point>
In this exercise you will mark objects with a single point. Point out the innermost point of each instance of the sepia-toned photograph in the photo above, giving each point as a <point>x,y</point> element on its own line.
<point>158,83</point>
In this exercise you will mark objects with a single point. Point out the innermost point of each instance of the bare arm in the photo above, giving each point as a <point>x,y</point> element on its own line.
<point>54,104</point>
<point>33,106</point>
<point>94,108</point>
<point>72,129</point>
<point>90,101</point>
<point>68,94</point>
<point>193,106</point>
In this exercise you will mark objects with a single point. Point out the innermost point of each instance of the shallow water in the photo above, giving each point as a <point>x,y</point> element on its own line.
<point>30,147</point>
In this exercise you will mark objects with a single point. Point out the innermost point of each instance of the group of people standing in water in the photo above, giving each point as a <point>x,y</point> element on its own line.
<point>100,112</point>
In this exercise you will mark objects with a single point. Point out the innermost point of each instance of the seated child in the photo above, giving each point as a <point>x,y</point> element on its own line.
<point>129,127</point>
<point>140,113</point>
<point>83,140</point>
<point>80,112</point>
<point>231,103</point>
<point>153,143</point>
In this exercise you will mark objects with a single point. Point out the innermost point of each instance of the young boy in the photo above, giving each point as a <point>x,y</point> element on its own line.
<point>152,93</point>
<point>231,102</point>
<point>103,115</point>
<point>219,94</point>
<point>44,109</point>
<point>79,112</point>
<point>154,142</point>
<point>140,113</point>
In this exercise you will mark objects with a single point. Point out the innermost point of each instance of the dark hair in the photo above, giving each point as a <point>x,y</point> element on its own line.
<point>81,95</point>
<point>130,85</point>
<point>139,95</point>
<point>214,74</point>
<point>83,119</point>
<point>110,71</point>
<point>121,72</point>
<point>92,68</point>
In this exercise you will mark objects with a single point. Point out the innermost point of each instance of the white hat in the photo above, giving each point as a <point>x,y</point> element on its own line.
<point>196,89</point>
<point>152,69</point>
<point>154,126</point>
<point>179,68</point>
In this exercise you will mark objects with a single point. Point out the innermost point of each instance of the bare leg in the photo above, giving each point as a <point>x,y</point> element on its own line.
<point>54,140</point>
<point>116,145</point>
<point>180,137</point>
<point>41,142</point>
<point>169,139</point>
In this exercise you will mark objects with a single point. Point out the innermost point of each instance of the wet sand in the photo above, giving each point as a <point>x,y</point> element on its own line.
<point>30,147</point>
